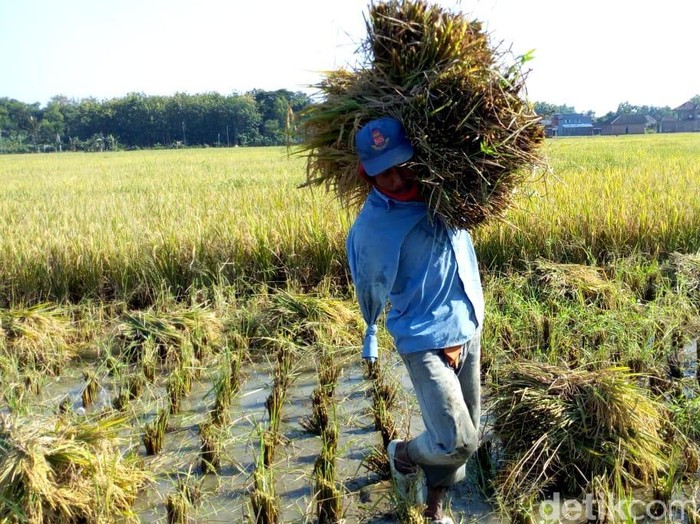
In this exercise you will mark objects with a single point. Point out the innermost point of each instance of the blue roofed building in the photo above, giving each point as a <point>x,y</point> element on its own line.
<point>569,124</point>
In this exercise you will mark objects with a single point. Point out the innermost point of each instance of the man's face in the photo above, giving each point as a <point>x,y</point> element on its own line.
<point>397,179</point>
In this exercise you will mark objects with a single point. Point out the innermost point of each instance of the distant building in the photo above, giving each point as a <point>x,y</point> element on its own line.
<point>629,125</point>
<point>687,119</point>
<point>569,124</point>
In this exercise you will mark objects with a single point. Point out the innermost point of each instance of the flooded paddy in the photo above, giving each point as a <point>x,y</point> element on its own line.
<point>225,495</point>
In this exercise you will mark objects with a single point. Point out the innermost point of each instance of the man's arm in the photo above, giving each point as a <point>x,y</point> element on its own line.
<point>373,265</point>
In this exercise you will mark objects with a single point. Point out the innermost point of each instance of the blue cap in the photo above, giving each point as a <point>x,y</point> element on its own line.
<point>382,144</point>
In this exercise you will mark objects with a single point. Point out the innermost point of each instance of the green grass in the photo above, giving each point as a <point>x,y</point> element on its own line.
<point>130,225</point>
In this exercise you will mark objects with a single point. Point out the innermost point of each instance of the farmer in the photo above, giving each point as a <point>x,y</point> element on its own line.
<point>429,274</point>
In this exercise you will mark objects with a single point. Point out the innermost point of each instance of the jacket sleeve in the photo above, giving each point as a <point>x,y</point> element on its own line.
<point>373,266</point>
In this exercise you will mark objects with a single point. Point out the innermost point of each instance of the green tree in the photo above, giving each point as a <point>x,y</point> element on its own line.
<point>52,125</point>
<point>546,109</point>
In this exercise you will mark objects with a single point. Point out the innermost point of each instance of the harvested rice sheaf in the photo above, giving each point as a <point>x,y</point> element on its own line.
<point>563,427</point>
<point>38,338</point>
<point>475,137</point>
<point>165,332</point>
<point>64,470</point>
<point>576,282</point>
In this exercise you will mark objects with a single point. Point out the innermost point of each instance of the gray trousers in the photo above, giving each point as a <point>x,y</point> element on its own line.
<point>450,403</point>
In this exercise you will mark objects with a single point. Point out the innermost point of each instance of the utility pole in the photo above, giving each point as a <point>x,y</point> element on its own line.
<point>228,143</point>
<point>184,138</point>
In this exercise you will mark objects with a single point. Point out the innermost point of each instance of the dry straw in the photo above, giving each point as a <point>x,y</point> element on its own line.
<point>474,135</point>
<point>39,337</point>
<point>167,331</point>
<point>577,282</point>
<point>59,469</point>
<point>562,428</point>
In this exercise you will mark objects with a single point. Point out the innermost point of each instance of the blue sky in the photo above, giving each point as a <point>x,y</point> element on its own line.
<point>591,54</point>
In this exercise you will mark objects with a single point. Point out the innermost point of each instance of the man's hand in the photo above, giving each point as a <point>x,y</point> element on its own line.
<point>372,367</point>
<point>452,355</point>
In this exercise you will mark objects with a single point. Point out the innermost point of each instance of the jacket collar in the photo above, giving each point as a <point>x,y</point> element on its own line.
<point>389,202</point>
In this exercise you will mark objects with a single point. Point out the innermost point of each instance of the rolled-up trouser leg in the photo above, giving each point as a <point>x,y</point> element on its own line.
<point>450,403</point>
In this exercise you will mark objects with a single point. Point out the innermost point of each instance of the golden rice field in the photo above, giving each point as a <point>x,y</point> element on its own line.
<point>179,342</point>
<point>125,225</point>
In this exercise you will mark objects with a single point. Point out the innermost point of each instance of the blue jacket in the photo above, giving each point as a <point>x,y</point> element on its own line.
<point>428,272</point>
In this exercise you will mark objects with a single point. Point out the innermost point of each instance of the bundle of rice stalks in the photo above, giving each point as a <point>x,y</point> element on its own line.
<point>328,491</point>
<point>211,446</point>
<point>63,470</point>
<point>562,428</point>
<point>38,338</point>
<point>90,389</point>
<point>307,319</point>
<point>168,331</point>
<point>578,283</point>
<point>154,433</point>
<point>475,137</point>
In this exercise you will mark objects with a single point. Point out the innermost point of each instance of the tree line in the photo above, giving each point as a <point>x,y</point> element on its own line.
<point>255,118</point>
<point>625,108</point>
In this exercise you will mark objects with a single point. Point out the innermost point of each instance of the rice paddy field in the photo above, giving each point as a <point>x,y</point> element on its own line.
<point>179,342</point>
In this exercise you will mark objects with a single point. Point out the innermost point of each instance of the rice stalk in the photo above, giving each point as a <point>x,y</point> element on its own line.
<point>211,447</point>
<point>184,500</point>
<point>475,137</point>
<point>177,508</point>
<point>178,385</point>
<point>329,496</point>
<point>223,395</point>
<point>319,419</point>
<point>283,373</point>
<point>38,337</point>
<point>154,433</point>
<point>62,469</point>
<point>377,462</point>
<point>234,359</point>
<point>263,496</point>
<point>563,427</point>
<point>384,394</point>
<point>91,388</point>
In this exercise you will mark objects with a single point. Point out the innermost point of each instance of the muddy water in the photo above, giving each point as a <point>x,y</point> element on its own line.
<point>226,494</point>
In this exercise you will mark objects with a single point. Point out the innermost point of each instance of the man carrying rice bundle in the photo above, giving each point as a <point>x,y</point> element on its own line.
<point>429,274</point>
<point>444,138</point>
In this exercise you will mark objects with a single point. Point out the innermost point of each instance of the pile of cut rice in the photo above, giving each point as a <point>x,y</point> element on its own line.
<point>476,138</point>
